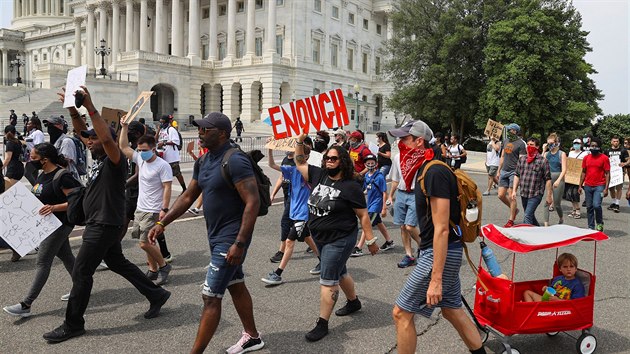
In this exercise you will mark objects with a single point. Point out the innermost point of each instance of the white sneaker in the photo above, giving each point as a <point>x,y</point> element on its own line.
<point>65,297</point>
<point>103,266</point>
<point>19,311</point>
<point>246,344</point>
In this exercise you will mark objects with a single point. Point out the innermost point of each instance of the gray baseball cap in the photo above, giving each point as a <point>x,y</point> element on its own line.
<point>54,120</point>
<point>416,128</point>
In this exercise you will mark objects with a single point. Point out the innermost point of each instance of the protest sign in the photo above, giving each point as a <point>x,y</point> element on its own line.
<point>574,171</point>
<point>22,227</point>
<point>616,171</point>
<point>493,129</point>
<point>112,117</point>
<point>287,144</point>
<point>320,112</point>
<point>145,96</point>
<point>373,148</point>
<point>74,81</point>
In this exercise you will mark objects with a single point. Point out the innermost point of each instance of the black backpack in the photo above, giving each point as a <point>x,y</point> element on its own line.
<point>181,141</point>
<point>74,213</point>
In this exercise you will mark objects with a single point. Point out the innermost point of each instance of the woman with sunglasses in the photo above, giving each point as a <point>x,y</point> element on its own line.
<point>335,203</point>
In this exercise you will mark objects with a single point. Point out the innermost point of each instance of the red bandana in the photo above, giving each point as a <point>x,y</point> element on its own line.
<point>411,160</point>
<point>532,152</point>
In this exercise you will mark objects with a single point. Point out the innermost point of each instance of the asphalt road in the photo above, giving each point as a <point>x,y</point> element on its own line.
<point>285,313</point>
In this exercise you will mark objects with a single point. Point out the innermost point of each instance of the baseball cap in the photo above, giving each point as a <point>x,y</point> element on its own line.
<point>357,135</point>
<point>416,128</point>
<point>577,141</point>
<point>54,120</point>
<point>91,132</point>
<point>340,132</point>
<point>214,120</point>
<point>369,157</point>
<point>513,126</point>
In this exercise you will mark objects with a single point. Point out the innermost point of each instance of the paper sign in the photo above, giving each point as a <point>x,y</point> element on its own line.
<point>320,112</point>
<point>574,171</point>
<point>315,158</point>
<point>373,148</point>
<point>145,96</point>
<point>22,226</point>
<point>74,81</point>
<point>616,171</point>
<point>493,129</point>
<point>112,117</point>
<point>287,144</point>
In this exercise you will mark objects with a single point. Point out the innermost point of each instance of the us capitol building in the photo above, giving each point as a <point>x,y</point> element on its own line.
<point>236,56</point>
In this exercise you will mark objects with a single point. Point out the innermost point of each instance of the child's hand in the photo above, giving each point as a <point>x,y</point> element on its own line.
<point>544,288</point>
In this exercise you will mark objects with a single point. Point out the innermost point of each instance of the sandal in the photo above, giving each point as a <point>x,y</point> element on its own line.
<point>577,215</point>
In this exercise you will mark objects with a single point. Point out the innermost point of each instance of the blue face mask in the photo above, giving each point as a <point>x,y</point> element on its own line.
<point>146,155</point>
<point>576,146</point>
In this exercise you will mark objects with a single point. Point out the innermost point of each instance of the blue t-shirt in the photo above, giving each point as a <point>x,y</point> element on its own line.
<point>300,191</point>
<point>375,185</point>
<point>222,205</point>
<point>568,289</point>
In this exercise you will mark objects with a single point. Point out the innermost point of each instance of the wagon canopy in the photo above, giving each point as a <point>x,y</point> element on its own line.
<point>526,238</point>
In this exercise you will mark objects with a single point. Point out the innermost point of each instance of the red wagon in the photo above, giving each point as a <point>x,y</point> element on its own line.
<point>498,306</point>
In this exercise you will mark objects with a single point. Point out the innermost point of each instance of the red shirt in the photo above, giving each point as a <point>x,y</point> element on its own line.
<point>596,168</point>
<point>357,155</point>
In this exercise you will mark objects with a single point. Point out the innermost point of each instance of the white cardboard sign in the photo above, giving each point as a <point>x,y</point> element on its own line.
<point>74,81</point>
<point>616,171</point>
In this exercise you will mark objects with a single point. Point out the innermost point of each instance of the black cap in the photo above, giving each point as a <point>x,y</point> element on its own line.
<point>54,120</point>
<point>214,120</point>
<point>91,132</point>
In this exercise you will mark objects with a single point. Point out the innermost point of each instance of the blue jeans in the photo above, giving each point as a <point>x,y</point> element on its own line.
<point>594,198</point>
<point>385,170</point>
<point>334,256</point>
<point>221,274</point>
<point>530,205</point>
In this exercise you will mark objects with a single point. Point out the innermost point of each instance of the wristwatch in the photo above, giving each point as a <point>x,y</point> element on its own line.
<point>239,244</point>
<point>165,210</point>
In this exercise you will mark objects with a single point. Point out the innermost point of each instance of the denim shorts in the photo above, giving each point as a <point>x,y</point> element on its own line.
<point>405,209</point>
<point>507,179</point>
<point>334,256</point>
<point>385,170</point>
<point>221,274</point>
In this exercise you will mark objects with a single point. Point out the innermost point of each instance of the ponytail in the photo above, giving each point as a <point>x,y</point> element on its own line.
<point>48,151</point>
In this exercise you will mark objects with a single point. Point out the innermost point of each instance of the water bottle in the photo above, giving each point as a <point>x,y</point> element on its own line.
<point>491,261</point>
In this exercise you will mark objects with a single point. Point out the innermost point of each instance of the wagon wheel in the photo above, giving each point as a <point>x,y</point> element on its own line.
<point>586,344</point>
<point>552,334</point>
<point>484,333</point>
<point>512,351</point>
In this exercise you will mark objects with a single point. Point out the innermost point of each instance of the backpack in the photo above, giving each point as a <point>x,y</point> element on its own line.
<point>74,213</point>
<point>463,158</point>
<point>181,141</point>
<point>79,158</point>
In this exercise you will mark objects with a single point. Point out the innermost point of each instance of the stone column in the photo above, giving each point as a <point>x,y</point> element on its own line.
<point>89,46</point>
<point>271,28</point>
<point>144,30</point>
<point>390,28</point>
<point>115,32</point>
<point>177,29</point>
<point>160,31</point>
<point>77,40</point>
<point>129,25</point>
<point>193,29</point>
<point>271,91</point>
<point>251,28</point>
<point>5,65</point>
<point>24,13</point>
<point>54,9</point>
<point>102,21</point>
<point>40,7</point>
<point>231,30</point>
<point>212,33</point>
<point>136,28</point>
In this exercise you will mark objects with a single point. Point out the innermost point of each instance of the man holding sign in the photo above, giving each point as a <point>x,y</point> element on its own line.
<point>618,156</point>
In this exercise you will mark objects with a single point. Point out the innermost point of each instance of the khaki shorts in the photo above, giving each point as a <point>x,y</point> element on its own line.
<point>176,170</point>
<point>142,224</point>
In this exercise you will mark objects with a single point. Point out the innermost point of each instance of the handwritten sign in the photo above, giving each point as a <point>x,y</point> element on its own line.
<point>574,171</point>
<point>373,148</point>
<point>145,96</point>
<point>616,171</point>
<point>493,129</point>
<point>287,144</point>
<point>74,81</point>
<point>112,117</point>
<point>22,226</point>
<point>320,112</point>
<point>315,158</point>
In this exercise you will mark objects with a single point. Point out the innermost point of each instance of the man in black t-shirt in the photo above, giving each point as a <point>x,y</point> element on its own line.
<point>616,192</point>
<point>435,280</point>
<point>102,204</point>
<point>13,118</point>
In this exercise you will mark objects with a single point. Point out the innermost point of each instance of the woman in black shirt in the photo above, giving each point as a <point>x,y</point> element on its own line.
<point>334,204</point>
<point>384,158</point>
<point>52,194</point>
<point>13,151</point>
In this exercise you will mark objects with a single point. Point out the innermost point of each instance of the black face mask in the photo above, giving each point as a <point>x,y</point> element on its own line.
<point>320,146</point>
<point>595,151</point>
<point>37,164</point>
<point>332,172</point>
<point>164,125</point>
<point>54,133</point>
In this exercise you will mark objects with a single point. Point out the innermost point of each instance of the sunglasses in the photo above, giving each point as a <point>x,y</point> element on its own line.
<point>202,129</point>
<point>331,158</point>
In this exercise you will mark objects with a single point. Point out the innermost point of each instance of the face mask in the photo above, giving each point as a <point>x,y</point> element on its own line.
<point>586,140</point>
<point>146,155</point>
<point>553,146</point>
<point>355,144</point>
<point>54,133</point>
<point>371,168</point>
<point>164,125</point>
<point>531,153</point>
<point>577,147</point>
<point>595,151</point>
<point>332,172</point>
<point>320,145</point>
<point>512,136</point>
<point>37,164</point>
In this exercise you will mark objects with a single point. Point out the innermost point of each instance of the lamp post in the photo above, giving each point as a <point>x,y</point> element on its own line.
<point>357,89</point>
<point>17,62</point>
<point>103,51</point>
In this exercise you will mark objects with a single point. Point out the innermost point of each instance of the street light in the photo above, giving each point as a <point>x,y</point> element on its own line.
<point>102,51</point>
<point>357,89</point>
<point>17,62</point>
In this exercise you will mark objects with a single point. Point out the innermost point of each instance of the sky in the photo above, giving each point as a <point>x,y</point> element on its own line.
<point>608,24</point>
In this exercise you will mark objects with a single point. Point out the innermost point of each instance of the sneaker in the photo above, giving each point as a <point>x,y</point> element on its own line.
<point>15,257</point>
<point>272,279</point>
<point>350,307</point>
<point>103,266</point>
<point>316,270</point>
<point>599,227</point>
<point>156,306</point>
<point>357,252</point>
<point>486,193</point>
<point>407,261</point>
<point>509,223</point>
<point>560,221</point>
<point>193,211</point>
<point>276,257</point>
<point>308,250</point>
<point>169,258</point>
<point>19,310</point>
<point>577,215</point>
<point>572,214</point>
<point>151,275</point>
<point>62,333</point>
<point>616,209</point>
<point>388,245</point>
<point>320,331</point>
<point>611,207</point>
<point>162,274</point>
<point>246,344</point>
<point>65,297</point>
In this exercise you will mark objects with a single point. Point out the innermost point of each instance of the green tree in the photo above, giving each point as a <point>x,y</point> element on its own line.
<point>536,72</point>
<point>607,126</point>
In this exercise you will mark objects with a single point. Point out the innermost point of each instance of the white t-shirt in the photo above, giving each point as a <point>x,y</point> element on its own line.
<point>456,150</point>
<point>171,153</point>
<point>37,138</point>
<point>151,175</point>
<point>396,175</point>
<point>578,154</point>
<point>492,156</point>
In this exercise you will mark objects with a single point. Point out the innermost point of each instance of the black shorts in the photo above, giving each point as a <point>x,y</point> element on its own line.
<point>375,218</point>
<point>299,231</point>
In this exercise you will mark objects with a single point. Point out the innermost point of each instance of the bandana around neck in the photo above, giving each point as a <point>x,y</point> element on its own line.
<point>411,160</point>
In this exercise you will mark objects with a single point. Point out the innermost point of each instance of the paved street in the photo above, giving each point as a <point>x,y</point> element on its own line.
<point>284,313</point>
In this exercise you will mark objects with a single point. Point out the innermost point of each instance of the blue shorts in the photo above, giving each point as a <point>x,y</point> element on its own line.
<point>375,218</point>
<point>507,179</point>
<point>405,209</point>
<point>385,170</point>
<point>413,297</point>
<point>221,274</point>
<point>334,256</point>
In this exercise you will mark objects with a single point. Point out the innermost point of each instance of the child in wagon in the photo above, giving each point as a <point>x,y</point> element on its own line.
<point>567,285</point>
